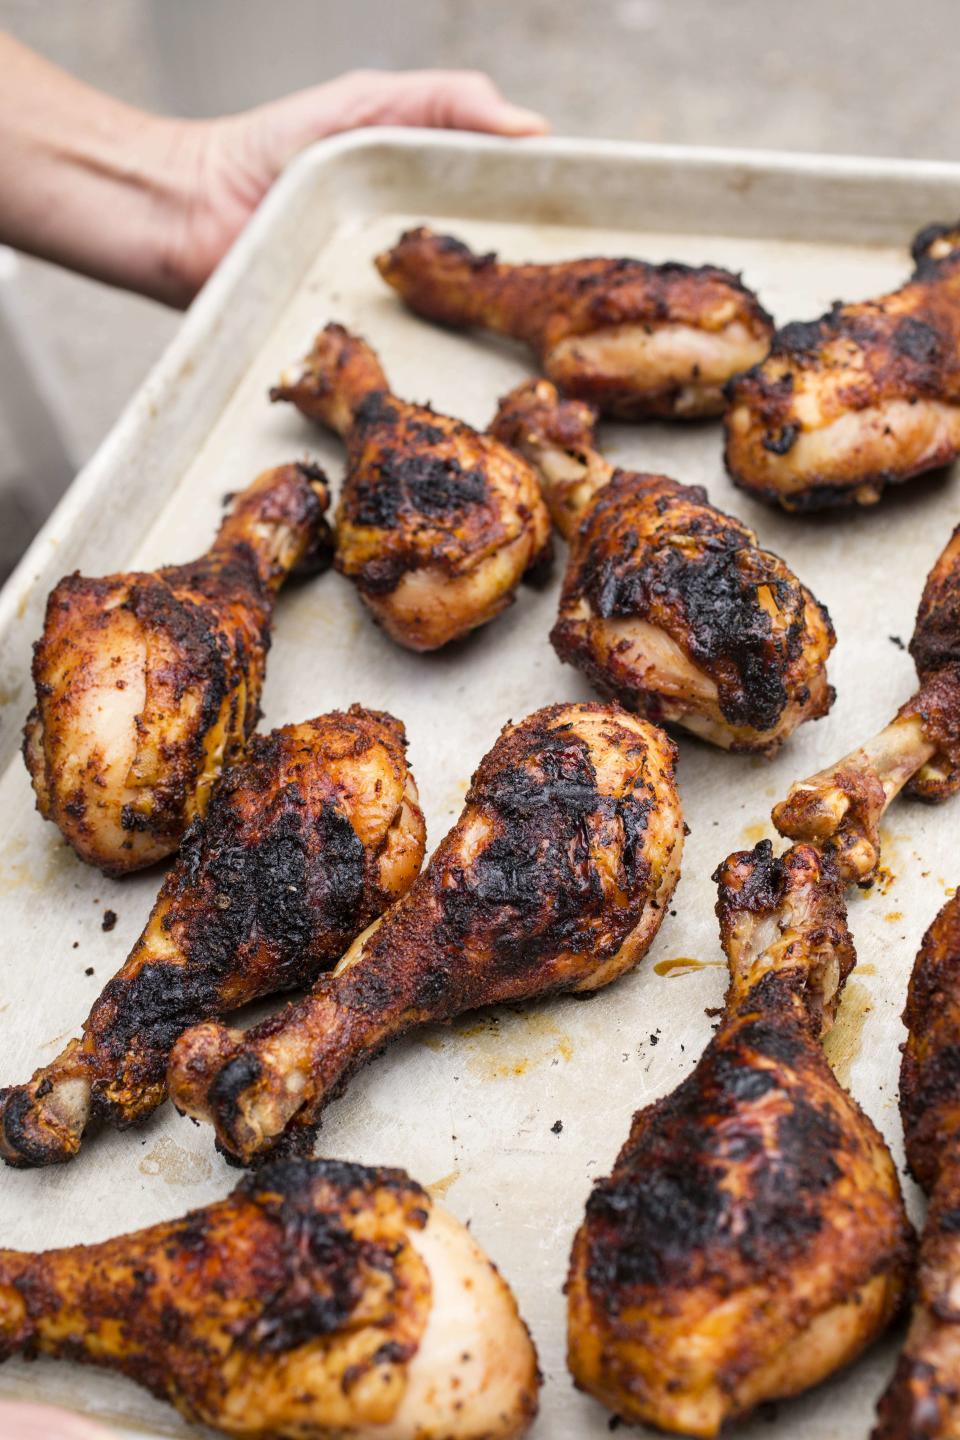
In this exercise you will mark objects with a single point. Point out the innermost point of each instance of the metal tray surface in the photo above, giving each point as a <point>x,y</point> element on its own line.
<point>470,1110</point>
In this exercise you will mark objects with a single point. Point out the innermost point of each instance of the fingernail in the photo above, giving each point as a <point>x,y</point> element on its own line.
<point>515,120</point>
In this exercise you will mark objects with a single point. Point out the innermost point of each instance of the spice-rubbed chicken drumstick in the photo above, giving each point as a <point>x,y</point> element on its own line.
<point>316,1302</point>
<point>841,807</point>
<point>555,877</point>
<point>147,684</point>
<point>668,604</point>
<point>436,524</point>
<point>307,839</point>
<point>752,1238</point>
<point>922,1401</point>
<point>635,339</point>
<point>865,396</point>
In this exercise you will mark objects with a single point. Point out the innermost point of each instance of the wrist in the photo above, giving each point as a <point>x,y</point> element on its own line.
<point>88,181</point>
<point>163,167</point>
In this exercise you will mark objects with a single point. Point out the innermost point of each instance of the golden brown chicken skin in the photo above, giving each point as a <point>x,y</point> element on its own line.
<point>840,808</point>
<point>922,1401</point>
<point>148,683</point>
<point>636,340</point>
<point>555,878</point>
<point>866,396</point>
<point>307,839</point>
<point>436,524</point>
<point>315,1302</point>
<point>668,604</point>
<point>752,1237</point>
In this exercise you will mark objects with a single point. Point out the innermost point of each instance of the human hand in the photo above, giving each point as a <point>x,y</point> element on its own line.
<point>42,1422</point>
<point>229,164</point>
<point>153,203</point>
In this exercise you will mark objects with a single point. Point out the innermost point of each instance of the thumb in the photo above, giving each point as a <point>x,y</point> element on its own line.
<point>438,99</point>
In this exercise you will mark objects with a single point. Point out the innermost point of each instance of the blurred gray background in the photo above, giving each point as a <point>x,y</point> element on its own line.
<point>833,75</point>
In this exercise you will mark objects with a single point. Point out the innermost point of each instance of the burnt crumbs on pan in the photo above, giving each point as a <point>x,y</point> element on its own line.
<point>754,1206</point>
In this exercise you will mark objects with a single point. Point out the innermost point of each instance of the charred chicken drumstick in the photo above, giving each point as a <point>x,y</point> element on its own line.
<point>316,1302</point>
<point>147,684</point>
<point>307,839</point>
<point>668,604</point>
<point>841,807</point>
<point>436,524</point>
<point>865,396</point>
<point>922,1401</point>
<point>636,340</point>
<point>752,1238</point>
<point>554,878</point>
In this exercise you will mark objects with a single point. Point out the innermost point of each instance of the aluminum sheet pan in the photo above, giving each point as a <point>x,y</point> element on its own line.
<point>470,1110</point>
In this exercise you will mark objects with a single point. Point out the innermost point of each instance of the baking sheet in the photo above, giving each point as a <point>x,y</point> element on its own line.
<point>470,1111</point>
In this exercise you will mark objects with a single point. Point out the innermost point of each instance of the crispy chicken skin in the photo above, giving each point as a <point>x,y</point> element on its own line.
<point>930,1069</point>
<point>307,839</point>
<point>865,396</point>
<point>922,1401</point>
<point>841,807</point>
<point>668,604</point>
<point>636,340</point>
<point>148,684</point>
<point>319,1301</point>
<point>436,524</point>
<point>752,1238</point>
<point>555,877</point>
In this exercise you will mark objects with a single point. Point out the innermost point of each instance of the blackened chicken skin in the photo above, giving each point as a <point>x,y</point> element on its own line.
<point>637,340</point>
<point>922,1401</point>
<point>841,807</point>
<point>669,605</point>
<point>316,1302</point>
<point>148,684</point>
<point>752,1238</point>
<point>864,397</point>
<point>555,878</point>
<point>307,839</point>
<point>436,524</point>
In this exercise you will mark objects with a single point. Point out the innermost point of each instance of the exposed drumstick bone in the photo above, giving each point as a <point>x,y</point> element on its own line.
<point>840,808</point>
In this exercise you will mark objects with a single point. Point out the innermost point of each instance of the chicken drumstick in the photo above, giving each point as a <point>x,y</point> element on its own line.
<point>307,839</point>
<point>841,807</point>
<point>922,1401</point>
<point>752,1238</point>
<point>316,1302</point>
<point>635,339</point>
<point>147,684</point>
<point>555,877</point>
<point>436,524</point>
<point>668,604</point>
<point>867,395</point>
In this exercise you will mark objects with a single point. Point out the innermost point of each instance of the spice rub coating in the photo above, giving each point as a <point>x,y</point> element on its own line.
<point>668,604</point>
<point>922,1401</point>
<point>866,396</point>
<point>148,684</point>
<point>555,877</point>
<point>840,808</point>
<point>310,1304</point>
<point>307,839</point>
<point>436,524</point>
<point>635,339</point>
<point>751,1238</point>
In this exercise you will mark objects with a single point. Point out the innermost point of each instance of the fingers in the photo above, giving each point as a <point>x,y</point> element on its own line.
<point>438,99</point>
<point>447,100</point>
<point>42,1422</point>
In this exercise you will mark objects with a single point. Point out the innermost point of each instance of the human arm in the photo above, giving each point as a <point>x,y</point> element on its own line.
<point>151,203</point>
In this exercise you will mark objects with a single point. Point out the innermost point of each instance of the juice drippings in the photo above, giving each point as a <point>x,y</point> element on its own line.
<point>685,965</point>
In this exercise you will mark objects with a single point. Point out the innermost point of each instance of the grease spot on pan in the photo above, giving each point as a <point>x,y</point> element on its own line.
<point>175,1163</point>
<point>845,1041</point>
